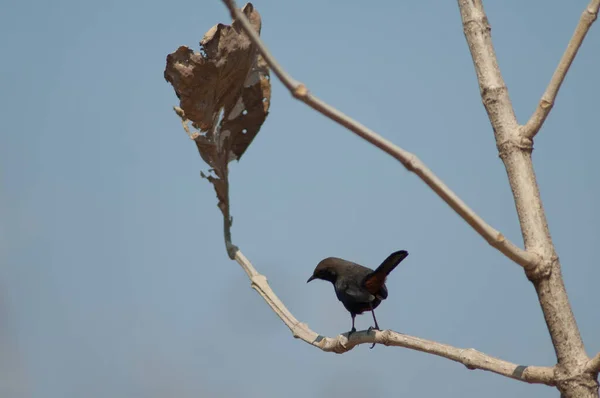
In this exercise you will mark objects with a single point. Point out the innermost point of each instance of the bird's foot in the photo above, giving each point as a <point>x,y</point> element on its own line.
<point>351,331</point>
<point>368,331</point>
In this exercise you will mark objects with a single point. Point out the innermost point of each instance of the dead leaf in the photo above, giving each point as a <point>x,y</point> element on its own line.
<point>225,92</point>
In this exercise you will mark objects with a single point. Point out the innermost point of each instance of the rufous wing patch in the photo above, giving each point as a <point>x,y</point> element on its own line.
<point>374,282</point>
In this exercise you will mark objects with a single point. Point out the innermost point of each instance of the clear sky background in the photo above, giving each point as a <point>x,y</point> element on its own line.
<point>114,280</point>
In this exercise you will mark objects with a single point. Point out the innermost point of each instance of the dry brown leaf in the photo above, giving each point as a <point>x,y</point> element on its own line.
<point>225,92</point>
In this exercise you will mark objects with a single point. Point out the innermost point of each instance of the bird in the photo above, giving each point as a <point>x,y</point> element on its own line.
<point>359,288</point>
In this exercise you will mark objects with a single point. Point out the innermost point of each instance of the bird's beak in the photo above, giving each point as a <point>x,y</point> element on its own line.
<point>311,278</point>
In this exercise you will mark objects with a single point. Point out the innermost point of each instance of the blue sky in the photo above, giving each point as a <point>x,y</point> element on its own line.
<point>114,280</point>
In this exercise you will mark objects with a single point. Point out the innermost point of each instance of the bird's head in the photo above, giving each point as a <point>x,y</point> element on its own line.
<point>325,270</point>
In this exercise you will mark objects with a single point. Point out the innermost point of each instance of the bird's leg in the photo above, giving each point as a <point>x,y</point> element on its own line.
<point>375,319</point>
<point>376,325</point>
<point>353,328</point>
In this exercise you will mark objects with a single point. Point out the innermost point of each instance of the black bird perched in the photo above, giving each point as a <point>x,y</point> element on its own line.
<point>359,288</point>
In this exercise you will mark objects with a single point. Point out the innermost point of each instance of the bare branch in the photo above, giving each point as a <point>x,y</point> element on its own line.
<point>515,152</point>
<point>547,102</point>
<point>471,358</point>
<point>409,160</point>
<point>593,366</point>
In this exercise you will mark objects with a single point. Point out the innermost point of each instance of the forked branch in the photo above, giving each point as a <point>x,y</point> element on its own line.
<point>471,358</point>
<point>515,150</point>
<point>409,160</point>
<point>536,121</point>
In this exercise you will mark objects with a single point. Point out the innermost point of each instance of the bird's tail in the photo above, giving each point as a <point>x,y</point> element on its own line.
<point>374,282</point>
<point>391,262</point>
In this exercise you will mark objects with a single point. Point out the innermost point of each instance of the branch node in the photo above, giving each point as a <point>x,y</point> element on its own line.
<point>477,22</point>
<point>519,143</point>
<point>300,92</point>
<point>492,95</point>
<point>386,337</point>
<point>500,238</point>
<point>467,357</point>
<point>410,162</point>
<point>565,380</point>
<point>258,280</point>
<point>542,270</point>
<point>593,365</point>
<point>546,105</point>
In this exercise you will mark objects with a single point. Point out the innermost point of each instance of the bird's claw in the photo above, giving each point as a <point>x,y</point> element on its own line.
<point>371,328</point>
<point>351,331</point>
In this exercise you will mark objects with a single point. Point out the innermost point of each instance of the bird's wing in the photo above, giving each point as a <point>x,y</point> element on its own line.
<point>350,291</point>
<point>383,293</point>
<point>359,294</point>
<point>375,284</point>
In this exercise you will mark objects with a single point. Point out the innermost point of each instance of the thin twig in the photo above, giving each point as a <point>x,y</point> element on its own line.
<point>471,358</point>
<point>536,121</point>
<point>593,365</point>
<point>409,160</point>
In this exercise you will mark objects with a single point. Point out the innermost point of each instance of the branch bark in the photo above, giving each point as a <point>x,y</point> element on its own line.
<point>545,105</point>
<point>593,366</point>
<point>515,152</point>
<point>409,160</point>
<point>471,358</point>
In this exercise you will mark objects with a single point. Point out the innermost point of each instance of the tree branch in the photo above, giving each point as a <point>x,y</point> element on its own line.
<point>593,366</point>
<point>409,160</point>
<point>536,121</point>
<point>515,152</point>
<point>471,358</point>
